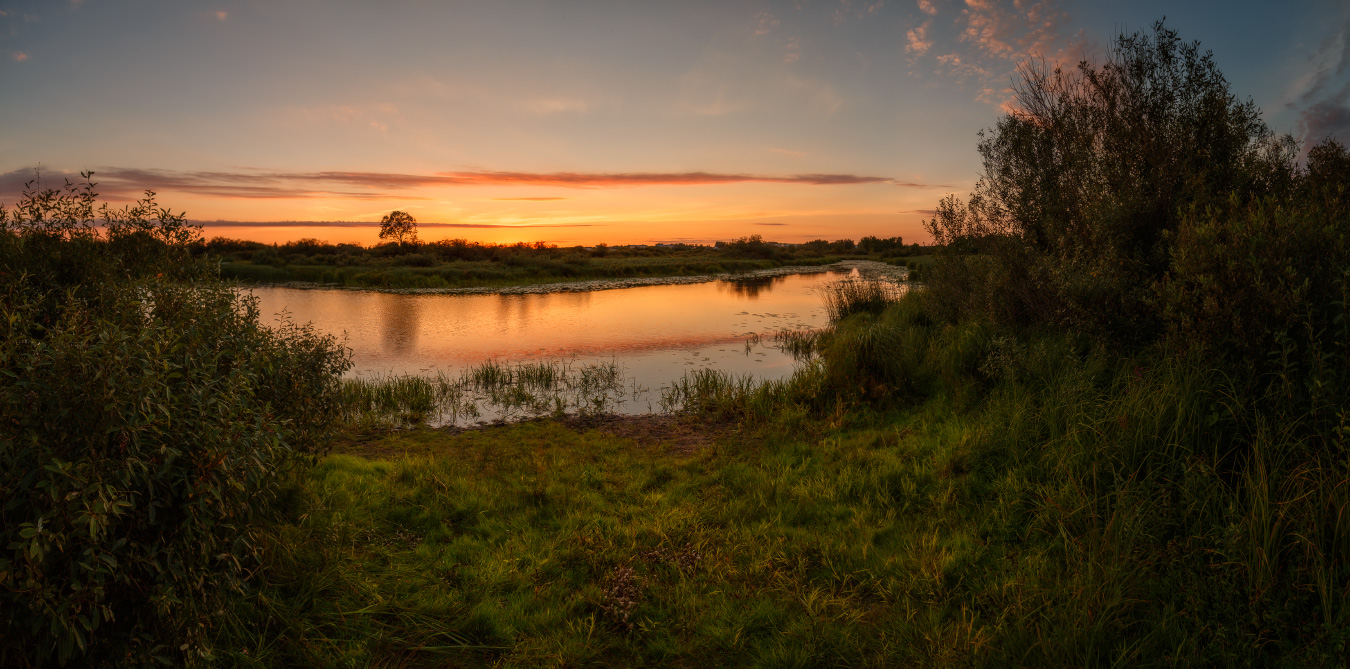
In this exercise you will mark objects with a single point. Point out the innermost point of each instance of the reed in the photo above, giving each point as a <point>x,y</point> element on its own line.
<point>489,390</point>
<point>853,296</point>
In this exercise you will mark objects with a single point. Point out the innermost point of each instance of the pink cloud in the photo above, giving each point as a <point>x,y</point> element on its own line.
<point>992,38</point>
<point>919,43</point>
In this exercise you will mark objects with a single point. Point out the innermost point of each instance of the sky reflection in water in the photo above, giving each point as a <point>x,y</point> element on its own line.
<point>655,333</point>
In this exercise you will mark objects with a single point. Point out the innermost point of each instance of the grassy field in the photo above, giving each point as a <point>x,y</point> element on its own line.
<point>1029,502</point>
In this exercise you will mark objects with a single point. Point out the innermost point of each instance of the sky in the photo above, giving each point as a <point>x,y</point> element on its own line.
<point>579,121</point>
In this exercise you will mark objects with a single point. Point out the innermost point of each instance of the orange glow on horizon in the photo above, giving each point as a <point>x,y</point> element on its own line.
<point>790,229</point>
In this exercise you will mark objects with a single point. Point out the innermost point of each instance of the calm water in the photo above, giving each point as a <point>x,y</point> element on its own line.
<point>654,333</point>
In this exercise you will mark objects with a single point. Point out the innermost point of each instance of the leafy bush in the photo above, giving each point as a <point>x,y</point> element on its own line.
<point>1083,183</point>
<point>1142,202</point>
<point>146,418</point>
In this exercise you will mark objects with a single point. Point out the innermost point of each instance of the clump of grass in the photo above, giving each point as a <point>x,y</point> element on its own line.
<point>802,344</point>
<point>406,400</point>
<point>491,390</point>
<point>853,296</point>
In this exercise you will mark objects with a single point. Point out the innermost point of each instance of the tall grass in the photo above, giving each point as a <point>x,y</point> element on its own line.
<point>490,390</point>
<point>852,296</point>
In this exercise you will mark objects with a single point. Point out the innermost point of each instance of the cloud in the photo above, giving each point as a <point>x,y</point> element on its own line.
<point>990,38</point>
<point>768,224</point>
<point>221,15</point>
<point>1327,118</point>
<point>19,56</point>
<point>368,224</point>
<point>765,22</point>
<point>377,116</point>
<point>1324,104</point>
<point>631,179</point>
<point>919,43</point>
<point>527,199</point>
<point>550,106</point>
<point>121,183</point>
<point>849,9</point>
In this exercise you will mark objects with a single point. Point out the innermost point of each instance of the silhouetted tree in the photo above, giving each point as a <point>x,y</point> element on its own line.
<point>399,226</point>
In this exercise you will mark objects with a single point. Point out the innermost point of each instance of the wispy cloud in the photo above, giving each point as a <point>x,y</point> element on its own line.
<point>376,116</point>
<point>19,56</point>
<point>557,105</point>
<point>221,15</point>
<point>917,39</point>
<point>768,224</point>
<point>368,224</point>
<point>1324,102</point>
<point>765,22</point>
<point>120,182</point>
<point>986,42</point>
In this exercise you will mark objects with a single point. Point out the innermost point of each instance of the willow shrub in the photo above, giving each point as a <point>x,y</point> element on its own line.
<point>146,418</point>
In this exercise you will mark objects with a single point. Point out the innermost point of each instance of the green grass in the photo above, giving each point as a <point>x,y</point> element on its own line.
<point>496,274</point>
<point>488,391</point>
<point>1009,499</point>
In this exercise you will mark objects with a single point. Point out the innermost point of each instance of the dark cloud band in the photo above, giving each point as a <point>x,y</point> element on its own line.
<point>125,182</point>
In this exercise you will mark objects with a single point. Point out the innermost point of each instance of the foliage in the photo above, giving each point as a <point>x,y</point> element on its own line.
<point>399,226</point>
<point>458,263</point>
<point>1084,184</point>
<point>1034,502</point>
<point>146,419</point>
<point>753,246</point>
<point>1142,202</point>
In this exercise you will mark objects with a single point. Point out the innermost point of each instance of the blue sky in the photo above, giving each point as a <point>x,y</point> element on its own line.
<point>578,122</point>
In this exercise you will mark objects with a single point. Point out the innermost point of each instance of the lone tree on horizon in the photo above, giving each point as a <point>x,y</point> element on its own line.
<point>399,226</point>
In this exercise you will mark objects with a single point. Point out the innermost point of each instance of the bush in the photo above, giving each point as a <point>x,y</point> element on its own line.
<point>1083,184</point>
<point>145,420</point>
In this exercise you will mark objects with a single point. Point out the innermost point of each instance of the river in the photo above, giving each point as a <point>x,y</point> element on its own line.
<point>654,334</point>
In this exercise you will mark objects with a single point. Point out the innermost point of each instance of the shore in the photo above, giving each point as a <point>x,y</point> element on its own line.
<point>867,268</point>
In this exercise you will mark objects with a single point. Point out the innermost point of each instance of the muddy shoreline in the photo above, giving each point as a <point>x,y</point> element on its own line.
<point>868,268</point>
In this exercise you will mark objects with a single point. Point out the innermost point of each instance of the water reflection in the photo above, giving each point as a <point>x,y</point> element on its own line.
<point>656,333</point>
<point>751,287</point>
<point>400,318</point>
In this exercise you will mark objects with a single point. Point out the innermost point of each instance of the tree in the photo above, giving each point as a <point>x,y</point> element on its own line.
<point>1083,184</point>
<point>399,226</point>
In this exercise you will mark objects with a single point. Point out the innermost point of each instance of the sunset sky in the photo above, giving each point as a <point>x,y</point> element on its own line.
<point>576,122</point>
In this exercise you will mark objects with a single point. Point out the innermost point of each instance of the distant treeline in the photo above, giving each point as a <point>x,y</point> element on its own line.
<point>460,262</point>
<point>424,254</point>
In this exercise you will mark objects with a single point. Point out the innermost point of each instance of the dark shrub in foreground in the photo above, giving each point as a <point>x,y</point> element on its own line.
<point>146,417</point>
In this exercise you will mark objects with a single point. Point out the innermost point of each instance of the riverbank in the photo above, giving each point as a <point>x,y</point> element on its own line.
<point>923,494</point>
<point>867,268</point>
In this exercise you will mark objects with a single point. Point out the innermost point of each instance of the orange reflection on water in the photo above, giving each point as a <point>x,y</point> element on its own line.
<point>404,333</point>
